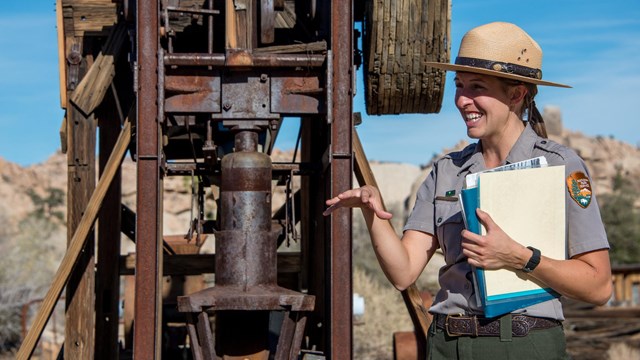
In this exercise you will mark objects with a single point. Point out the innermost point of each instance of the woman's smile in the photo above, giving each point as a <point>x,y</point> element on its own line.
<point>471,118</point>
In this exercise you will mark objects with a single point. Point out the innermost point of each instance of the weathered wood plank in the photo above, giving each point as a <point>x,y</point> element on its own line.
<point>81,181</point>
<point>94,18</point>
<point>93,86</point>
<point>293,48</point>
<point>62,54</point>
<point>75,246</point>
<point>107,287</point>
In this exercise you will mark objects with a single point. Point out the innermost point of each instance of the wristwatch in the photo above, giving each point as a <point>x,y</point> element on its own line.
<point>534,261</point>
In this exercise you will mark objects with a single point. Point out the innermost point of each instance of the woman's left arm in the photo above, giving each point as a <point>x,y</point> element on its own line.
<point>585,277</point>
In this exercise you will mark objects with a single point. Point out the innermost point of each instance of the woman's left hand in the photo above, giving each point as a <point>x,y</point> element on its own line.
<point>494,250</point>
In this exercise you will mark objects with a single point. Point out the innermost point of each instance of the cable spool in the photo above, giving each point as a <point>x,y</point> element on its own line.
<point>399,36</point>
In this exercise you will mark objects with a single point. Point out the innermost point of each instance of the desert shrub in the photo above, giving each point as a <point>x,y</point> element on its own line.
<point>31,255</point>
<point>620,217</point>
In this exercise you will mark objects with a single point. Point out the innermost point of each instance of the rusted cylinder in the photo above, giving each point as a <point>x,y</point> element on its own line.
<point>245,249</point>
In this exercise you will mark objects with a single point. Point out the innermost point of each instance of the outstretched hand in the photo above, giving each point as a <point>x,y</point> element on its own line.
<point>366,197</point>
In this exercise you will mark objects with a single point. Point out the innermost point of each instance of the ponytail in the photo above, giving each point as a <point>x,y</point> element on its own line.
<point>533,115</point>
<point>535,120</point>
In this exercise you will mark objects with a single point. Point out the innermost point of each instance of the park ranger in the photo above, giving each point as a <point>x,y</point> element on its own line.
<point>497,74</point>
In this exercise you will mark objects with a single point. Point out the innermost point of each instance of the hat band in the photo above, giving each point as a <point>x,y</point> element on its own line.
<point>503,67</point>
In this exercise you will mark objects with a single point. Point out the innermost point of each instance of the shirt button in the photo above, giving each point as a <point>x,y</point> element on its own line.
<point>439,220</point>
<point>543,142</point>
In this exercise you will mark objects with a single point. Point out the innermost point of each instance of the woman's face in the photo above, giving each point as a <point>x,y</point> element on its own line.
<point>484,103</point>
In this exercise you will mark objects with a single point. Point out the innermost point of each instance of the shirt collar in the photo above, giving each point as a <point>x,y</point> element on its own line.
<point>475,162</point>
<point>523,148</point>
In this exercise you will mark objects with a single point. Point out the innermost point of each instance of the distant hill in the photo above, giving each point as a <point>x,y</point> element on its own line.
<point>24,189</point>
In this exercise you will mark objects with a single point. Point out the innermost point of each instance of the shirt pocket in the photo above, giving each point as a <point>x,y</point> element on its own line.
<point>449,225</point>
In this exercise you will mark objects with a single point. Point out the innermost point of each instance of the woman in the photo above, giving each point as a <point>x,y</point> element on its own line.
<point>497,70</point>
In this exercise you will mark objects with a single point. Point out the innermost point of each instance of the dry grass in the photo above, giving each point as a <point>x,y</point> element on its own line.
<point>385,313</point>
<point>622,351</point>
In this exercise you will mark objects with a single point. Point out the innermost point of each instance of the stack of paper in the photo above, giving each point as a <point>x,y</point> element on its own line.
<point>529,205</point>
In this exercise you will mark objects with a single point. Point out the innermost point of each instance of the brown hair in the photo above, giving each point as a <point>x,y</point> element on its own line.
<point>529,106</point>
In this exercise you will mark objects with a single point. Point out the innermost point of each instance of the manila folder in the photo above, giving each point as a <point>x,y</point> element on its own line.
<point>529,205</point>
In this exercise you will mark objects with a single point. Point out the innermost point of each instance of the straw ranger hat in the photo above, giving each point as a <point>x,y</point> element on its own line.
<point>500,49</point>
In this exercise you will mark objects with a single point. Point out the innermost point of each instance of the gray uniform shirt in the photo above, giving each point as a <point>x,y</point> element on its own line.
<point>437,212</point>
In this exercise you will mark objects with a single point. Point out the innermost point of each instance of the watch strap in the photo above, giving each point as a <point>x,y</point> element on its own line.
<point>533,261</point>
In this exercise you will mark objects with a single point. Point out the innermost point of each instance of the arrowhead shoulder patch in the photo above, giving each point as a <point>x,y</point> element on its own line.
<point>579,188</point>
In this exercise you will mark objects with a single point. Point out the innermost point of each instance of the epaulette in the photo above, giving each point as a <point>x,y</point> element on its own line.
<point>552,147</point>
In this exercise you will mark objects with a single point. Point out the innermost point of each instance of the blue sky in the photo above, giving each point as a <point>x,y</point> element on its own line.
<point>592,45</point>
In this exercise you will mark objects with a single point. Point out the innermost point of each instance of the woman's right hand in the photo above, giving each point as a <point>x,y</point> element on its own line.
<point>366,197</point>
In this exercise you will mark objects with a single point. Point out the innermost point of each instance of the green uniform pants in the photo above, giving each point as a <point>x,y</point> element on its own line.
<point>545,344</point>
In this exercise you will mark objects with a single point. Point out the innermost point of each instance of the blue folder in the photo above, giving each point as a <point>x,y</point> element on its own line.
<point>501,304</point>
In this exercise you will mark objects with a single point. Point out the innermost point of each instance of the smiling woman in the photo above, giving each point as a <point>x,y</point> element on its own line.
<point>497,69</point>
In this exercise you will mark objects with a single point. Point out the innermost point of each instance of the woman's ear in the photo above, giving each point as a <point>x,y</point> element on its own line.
<point>518,92</point>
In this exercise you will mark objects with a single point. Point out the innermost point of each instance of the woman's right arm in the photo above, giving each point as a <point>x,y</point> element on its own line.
<point>402,260</point>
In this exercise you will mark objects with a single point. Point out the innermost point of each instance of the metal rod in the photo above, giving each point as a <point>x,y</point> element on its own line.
<point>210,27</point>
<point>257,60</point>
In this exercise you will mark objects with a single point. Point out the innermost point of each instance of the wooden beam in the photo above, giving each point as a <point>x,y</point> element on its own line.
<point>107,288</point>
<point>93,18</point>
<point>411,295</point>
<point>94,85</point>
<point>231,31</point>
<point>293,48</point>
<point>75,246</point>
<point>63,134</point>
<point>81,183</point>
<point>62,54</point>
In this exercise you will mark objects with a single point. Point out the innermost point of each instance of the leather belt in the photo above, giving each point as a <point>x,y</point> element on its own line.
<point>461,325</point>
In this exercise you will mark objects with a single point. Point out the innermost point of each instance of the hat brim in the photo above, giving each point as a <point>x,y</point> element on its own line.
<point>473,69</point>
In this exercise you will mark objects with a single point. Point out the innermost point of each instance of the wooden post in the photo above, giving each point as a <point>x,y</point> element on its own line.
<point>62,55</point>
<point>80,295</point>
<point>108,243</point>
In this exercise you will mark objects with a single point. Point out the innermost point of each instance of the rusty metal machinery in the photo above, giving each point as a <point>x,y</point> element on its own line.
<point>200,88</point>
<point>227,74</point>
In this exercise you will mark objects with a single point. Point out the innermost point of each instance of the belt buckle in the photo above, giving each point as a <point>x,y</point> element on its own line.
<point>473,324</point>
<point>446,324</point>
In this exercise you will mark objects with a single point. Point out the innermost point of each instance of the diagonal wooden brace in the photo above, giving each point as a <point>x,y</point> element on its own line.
<point>76,245</point>
<point>411,295</point>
